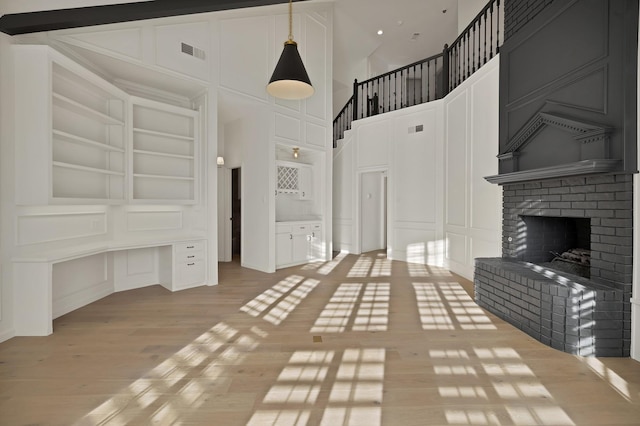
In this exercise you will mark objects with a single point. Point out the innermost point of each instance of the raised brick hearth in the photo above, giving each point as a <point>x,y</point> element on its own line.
<point>574,314</point>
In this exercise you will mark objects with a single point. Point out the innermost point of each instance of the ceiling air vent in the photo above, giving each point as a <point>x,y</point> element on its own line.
<point>192,51</point>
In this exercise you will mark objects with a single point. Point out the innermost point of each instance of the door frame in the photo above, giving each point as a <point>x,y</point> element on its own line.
<point>384,206</point>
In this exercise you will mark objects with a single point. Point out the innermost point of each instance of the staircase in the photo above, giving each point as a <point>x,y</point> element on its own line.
<point>429,79</point>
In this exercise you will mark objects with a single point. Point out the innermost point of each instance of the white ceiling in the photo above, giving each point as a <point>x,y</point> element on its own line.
<point>356,23</point>
<point>359,50</point>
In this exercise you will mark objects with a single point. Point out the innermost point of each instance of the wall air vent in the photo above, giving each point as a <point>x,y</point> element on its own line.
<point>192,51</point>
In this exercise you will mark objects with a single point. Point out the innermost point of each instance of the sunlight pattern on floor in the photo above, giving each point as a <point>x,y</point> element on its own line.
<point>373,312</point>
<point>359,381</point>
<point>184,380</point>
<point>288,294</point>
<point>361,268</point>
<point>281,311</point>
<point>446,305</point>
<point>322,267</point>
<point>615,381</point>
<point>356,382</point>
<point>369,302</point>
<point>516,397</point>
<point>262,302</point>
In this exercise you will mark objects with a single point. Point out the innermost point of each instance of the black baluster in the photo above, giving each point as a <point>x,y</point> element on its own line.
<point>498,28</point>
<point>485,36</point>
<point>491,32</point>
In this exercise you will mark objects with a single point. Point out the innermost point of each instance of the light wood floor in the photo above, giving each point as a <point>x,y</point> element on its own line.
<point>356,341</point>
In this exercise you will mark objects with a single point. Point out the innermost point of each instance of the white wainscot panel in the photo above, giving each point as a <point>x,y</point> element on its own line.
<point>287,128</point>
<point>456,248</point>
<point>456,162</point>
<point>415,166</point>
<point>154,220</point>
<point>372,142</point>
<point>342,237</point>
<point>316,66</point>
<point>135,268</point>
<point>47,227</point>
<point>316,135</point>
<point>486,198</point>
<point>124,42</point>
<point>78,282</point>
<point>484,248</point>
<point>244,55</point>
<point>418,246</point>
<point>170,52</point>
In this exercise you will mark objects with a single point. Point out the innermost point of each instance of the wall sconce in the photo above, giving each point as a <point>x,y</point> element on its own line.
<point>296,152</point>
<point>220,161</point>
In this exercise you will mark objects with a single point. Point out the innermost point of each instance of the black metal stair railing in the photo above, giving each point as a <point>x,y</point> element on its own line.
<point>429,79</point>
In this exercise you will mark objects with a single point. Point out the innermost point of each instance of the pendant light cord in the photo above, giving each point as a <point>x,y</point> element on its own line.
<point>290,20</point>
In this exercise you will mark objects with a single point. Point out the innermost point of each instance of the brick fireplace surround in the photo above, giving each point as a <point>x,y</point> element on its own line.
<point>576,315</point>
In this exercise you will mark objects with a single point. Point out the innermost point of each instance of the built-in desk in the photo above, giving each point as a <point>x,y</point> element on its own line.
<point>48,284</point>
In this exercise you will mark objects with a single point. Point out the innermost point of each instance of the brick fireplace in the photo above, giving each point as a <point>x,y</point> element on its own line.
<point>578,315</point>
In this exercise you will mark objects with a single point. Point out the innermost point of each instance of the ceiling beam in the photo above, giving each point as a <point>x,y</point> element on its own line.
<point>58,19</point>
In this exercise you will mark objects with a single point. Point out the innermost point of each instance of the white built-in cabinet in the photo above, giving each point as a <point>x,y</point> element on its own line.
<point>295,178</point>
<point>189,265</point>
<point>70,131</point>
<point>82,140</point>
<point>164,147</point>
<point>298,242</point>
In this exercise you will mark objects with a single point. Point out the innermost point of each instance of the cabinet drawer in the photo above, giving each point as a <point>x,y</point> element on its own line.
<point>283,228</point>
<point>190,246</point>
<point>190,273</point>
<point>300,229</point>
<point>188,256</point>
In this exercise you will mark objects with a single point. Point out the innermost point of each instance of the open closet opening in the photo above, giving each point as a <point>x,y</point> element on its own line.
<point>236,214</point>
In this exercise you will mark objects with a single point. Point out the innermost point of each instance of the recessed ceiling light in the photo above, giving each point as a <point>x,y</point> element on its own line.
<point>380,32</point>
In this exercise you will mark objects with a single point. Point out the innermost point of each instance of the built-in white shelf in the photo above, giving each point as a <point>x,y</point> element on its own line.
<point>87,169</point>
<point>164,147</point>
<point>139,175</point>
<point>80,157</point>
<point>78,108</point>
<point>163,154</point>
<point>163,134</point>
<point>84,141</point>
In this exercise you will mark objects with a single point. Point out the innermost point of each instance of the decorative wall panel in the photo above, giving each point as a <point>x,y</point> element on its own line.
<point>154,220</point>
<point>48,227</point>
<point>244,55</point>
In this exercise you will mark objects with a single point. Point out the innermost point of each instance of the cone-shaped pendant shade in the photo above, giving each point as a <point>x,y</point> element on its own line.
<point>290,80</point>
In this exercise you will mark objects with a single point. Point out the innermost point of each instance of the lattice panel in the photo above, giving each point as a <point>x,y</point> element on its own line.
<point>287,178</point>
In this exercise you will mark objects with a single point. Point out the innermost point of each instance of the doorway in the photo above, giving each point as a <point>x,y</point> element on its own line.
<point>373,211</point>
<point>236,213</point>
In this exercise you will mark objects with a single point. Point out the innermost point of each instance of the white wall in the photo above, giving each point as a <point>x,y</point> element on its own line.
<point>441,211</point>
<point>343,193</point>
<point>472,205</point>
<point>371,204</point>
<point>6,190</point>
<point>467,10</point>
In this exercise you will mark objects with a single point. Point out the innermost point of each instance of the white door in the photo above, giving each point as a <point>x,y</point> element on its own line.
<point>372,211</point>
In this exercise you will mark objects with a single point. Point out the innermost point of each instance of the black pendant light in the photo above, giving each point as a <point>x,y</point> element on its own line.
<point>290,80</point>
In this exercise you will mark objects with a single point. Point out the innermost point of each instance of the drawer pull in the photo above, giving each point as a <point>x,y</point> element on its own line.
<point>190,257</point>
<point>190,246</point>
<point>190,264</point>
